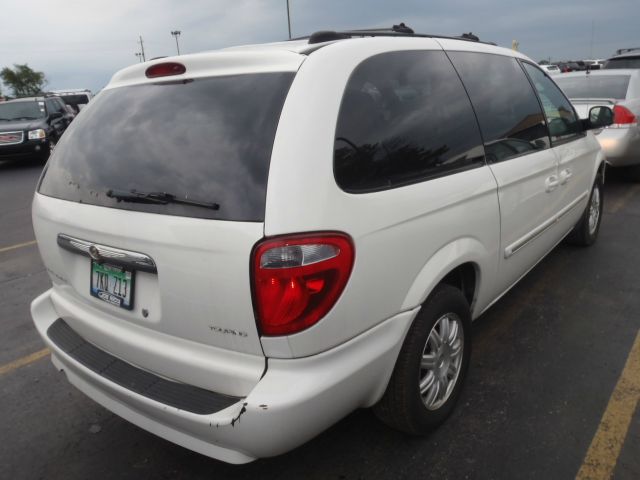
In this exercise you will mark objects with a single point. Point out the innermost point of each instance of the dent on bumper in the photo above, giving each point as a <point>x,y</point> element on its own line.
<point>294,401</point>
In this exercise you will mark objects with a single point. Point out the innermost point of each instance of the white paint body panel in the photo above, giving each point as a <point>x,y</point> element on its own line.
<point>202,281</point>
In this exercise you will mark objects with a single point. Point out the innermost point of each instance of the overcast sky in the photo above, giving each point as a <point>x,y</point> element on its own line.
<point>81,43</point>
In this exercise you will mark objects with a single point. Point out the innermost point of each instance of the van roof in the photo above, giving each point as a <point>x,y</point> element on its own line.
<point>283,56</point>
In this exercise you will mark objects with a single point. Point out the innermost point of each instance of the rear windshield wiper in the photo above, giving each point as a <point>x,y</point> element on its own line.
<point>156,197</point>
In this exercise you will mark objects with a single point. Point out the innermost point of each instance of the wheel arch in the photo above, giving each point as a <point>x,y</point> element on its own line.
<point>461,263</point>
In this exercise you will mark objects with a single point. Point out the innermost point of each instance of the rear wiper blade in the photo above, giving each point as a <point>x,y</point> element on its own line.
<point>157,197</point>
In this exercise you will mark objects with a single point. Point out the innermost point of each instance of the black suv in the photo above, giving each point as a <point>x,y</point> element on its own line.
<point>30,127</point>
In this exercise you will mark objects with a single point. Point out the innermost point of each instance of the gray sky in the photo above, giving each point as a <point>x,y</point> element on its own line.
<point>81,43</point>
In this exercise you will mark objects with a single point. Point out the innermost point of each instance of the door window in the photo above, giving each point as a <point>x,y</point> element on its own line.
<point>508,111</point>
<point>563,122</point>
<point>53,106</point>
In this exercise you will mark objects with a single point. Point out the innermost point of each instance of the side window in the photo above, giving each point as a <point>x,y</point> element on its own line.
<point>561,117</point>
<point>404,118</point>
<point>508,110</point>
<point>52,106</point>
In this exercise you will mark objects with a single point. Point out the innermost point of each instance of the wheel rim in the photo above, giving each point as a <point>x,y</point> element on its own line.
<point>441,361</point>
<point>594,210</point>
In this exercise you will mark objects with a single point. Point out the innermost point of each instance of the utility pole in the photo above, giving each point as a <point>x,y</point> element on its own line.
<point>176,33</point>
<point>139,55</point>
<point>288,20</point>
<point>142,49</point>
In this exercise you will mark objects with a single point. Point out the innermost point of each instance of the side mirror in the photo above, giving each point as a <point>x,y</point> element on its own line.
<point>55,115</point>
<point>599,117</point>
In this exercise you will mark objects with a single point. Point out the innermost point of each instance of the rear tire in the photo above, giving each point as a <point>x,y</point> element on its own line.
<point>428,375</point>
<point>585,233</point>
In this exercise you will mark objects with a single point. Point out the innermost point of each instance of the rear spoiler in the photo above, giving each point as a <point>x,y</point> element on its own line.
<point>611,101</point>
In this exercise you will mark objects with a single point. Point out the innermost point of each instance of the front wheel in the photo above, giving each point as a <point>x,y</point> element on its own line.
<point>586,230</point>
<point>432,364</point>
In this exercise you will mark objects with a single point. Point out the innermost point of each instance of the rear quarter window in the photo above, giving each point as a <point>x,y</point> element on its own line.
<point>206,140</point>
<point>404,118</point>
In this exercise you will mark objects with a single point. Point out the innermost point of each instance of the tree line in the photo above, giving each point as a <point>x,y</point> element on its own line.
<point>22,81</point>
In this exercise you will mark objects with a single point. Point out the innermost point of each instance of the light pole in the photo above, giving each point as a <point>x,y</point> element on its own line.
<point>288,19</point>
<point>176,33</point>
<point>139,55</point>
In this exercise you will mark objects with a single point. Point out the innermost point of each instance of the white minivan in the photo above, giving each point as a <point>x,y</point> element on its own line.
<point>246,245</point>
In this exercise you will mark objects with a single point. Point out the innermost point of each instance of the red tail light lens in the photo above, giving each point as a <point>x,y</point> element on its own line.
<point>297,279</point>
<point>165,69</point>
<point>623,116</point>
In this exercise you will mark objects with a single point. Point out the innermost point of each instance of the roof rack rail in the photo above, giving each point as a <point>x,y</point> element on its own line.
<point>400,30</point>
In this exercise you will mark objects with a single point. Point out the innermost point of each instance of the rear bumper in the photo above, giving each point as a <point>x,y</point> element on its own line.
<point>294,401</point>
<point>621,146</point>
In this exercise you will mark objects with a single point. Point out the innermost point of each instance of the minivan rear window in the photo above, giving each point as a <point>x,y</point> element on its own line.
<point>207,141</point>
<point>75,100</point>
<point>594,86</point>
<point>622,62</point>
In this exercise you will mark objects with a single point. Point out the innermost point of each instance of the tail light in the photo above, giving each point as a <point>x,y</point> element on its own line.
<point>623,116</point>
<point>297,279</point>
<point>165,69</point>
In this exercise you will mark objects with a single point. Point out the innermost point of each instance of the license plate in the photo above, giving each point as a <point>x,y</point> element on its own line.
<point>112,284</point>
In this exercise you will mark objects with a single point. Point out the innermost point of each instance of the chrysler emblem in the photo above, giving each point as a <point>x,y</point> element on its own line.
<point>94,253</point>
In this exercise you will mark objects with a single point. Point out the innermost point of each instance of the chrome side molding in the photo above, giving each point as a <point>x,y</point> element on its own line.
<point>540,229</point>
<point>105,253</point>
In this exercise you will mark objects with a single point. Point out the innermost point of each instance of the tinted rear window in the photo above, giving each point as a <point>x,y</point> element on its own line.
<point>623,62</point>
<point>404,118</point>
<point>75,100</point>
<point>594,86</point>
<point>206,140</point>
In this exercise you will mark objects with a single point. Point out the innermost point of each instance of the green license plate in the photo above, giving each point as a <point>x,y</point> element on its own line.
<point>112,284</point>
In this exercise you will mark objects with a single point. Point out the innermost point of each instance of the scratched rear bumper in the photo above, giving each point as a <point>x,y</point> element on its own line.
<point>294,401</point>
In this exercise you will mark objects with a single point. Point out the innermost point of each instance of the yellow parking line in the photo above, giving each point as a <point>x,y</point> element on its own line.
<point>21,362</point>
<point>18,245</point>
<point>605,447</point>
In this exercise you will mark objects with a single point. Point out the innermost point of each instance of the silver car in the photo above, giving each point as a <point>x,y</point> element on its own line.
<point>619,90</point>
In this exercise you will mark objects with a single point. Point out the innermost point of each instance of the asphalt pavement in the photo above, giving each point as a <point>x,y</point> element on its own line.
<point>547,374</point>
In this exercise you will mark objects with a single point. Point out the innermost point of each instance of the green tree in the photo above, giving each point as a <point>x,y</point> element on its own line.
<point>22,80</point>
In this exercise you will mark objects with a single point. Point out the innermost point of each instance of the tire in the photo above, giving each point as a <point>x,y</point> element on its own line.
<point>403,406</point>
<point>585,233</point>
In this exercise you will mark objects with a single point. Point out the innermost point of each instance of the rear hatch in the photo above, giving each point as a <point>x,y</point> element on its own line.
<point>163,183</point>
<point>591,90</point>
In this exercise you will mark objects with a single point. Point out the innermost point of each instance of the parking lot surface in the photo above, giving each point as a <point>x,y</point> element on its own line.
<point>552,389</point>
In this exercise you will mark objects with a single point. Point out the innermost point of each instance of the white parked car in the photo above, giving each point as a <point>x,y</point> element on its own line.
<point>551,69</point>
<point>276,235</point>
<point>76,98</point>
